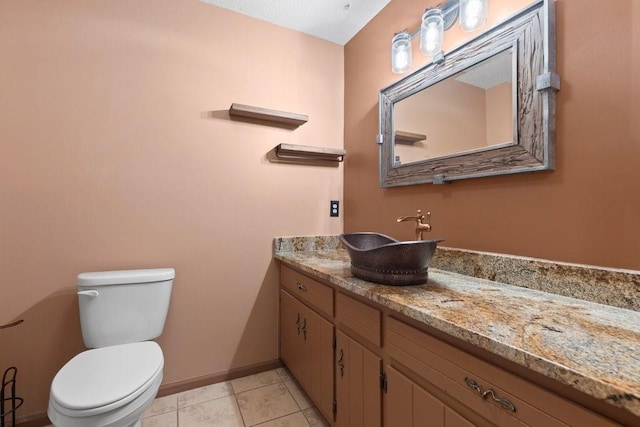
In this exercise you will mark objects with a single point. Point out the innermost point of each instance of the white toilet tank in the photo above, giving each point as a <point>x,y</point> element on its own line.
<point>120,307</point>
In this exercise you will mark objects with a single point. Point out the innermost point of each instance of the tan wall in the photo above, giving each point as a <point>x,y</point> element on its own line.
<point>499,108</point>
<point>117,152</point>
<point>586,211</point>
<point>455,122</point>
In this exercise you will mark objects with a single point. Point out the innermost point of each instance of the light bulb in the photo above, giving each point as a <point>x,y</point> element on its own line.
<point>431,32</point>
<point>401,57</point>
<point>473,14</point>
<point>432,38</point>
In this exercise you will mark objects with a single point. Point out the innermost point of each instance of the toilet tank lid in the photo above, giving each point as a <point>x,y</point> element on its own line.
<point>119,277</point>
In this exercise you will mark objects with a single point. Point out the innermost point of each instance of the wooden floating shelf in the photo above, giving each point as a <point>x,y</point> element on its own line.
<point>282,117</point>
<point>402,137</point>
<point>303,153</point>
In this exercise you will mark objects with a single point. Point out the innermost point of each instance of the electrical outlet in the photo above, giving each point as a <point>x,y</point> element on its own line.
<point>334,209</point>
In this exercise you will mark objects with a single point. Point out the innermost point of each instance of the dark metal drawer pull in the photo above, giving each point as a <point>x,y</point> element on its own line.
<point>301,286</point>
<point>473,384</point>
<point>502,402</point>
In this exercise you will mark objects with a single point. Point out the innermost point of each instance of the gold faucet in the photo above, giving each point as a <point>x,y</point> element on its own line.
<point>421,227</point>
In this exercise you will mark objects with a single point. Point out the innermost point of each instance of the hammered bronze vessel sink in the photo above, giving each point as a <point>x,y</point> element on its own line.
<point>381,259</point>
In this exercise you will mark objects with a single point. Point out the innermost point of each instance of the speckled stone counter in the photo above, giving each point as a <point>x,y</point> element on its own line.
<point>592,347</point>
<point>610,286</point>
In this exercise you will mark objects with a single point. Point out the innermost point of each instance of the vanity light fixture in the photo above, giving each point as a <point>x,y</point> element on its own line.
<point>471,15</point>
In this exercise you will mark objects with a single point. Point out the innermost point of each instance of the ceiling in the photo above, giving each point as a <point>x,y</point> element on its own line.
<point>490,72</point>
<point>334,20</point>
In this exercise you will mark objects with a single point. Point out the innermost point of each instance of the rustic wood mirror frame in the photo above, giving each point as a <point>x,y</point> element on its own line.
<point>531,34</point>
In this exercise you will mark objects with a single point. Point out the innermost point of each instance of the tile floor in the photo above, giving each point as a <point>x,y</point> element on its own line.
<point>269,399</point>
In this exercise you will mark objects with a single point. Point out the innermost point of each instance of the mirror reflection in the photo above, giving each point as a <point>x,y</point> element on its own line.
<point>472,110</point>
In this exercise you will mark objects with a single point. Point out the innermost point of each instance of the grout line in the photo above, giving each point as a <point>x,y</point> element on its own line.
<point>278,418</point>
<point>306,418</point>
<point>235,398</point>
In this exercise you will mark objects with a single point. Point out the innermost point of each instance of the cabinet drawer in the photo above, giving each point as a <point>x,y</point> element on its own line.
<point>466,377</point>
<point>359,317</point>
<point>314,293</point>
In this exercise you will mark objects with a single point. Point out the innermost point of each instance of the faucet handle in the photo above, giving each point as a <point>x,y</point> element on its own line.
<point>420,217</point>
<point>427,225</point>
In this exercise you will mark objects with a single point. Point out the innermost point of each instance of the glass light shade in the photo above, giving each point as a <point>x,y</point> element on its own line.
<point>431,32</point>
<point>473,14</point>
<point>401,56</point>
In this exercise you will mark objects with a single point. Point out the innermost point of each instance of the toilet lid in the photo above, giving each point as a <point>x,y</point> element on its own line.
<point>105,375</point>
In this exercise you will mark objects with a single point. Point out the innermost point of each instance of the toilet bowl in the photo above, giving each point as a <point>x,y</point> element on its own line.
<point>110,386</point>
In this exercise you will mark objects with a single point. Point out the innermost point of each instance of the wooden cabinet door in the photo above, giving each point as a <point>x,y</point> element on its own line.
<point>398,401</point>
<point>427,410</point>
<point>292,349</point>
<point>357,384</point>
<point>318,354</point>
<point>453,419</point>
<point>409,405</point>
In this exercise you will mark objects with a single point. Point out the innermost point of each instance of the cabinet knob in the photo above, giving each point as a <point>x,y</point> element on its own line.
<point>301,287</point>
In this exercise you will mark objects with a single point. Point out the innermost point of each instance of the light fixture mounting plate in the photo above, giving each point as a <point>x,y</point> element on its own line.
<point>450,11</point>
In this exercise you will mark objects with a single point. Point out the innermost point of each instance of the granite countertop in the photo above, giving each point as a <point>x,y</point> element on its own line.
<point>592,347</point>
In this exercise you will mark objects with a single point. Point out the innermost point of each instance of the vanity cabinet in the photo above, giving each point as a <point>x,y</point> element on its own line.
<point>367,365</point>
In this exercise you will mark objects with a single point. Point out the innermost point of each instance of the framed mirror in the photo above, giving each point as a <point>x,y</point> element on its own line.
<point>487,109</point>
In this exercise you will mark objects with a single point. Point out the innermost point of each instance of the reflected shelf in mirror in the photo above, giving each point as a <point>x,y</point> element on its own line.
<point>402,137</point>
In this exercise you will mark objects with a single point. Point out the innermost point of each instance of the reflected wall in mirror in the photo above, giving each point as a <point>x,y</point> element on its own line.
<point>488,109</point>
<point>469,111</point>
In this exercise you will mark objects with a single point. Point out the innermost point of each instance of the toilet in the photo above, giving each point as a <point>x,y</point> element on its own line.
<point>113,383</point>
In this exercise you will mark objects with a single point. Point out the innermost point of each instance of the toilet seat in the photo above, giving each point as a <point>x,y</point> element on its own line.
<point>126,415</point>
<point>101,380</point>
